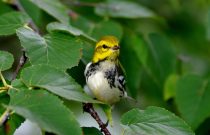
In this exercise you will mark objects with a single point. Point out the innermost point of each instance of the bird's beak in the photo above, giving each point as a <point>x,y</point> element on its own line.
<point>116,47</point>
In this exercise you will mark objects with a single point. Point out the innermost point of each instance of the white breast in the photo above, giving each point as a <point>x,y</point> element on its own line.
<point>101,89</point>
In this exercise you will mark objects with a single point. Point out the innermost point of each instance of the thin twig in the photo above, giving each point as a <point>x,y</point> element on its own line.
<point>4,117</point>
<point>88,107</point>
<point>4,88</point>
<point>22,61</point>
<point>17,6</point>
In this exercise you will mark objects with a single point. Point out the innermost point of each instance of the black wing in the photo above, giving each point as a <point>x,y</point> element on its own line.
<point>121,80</point>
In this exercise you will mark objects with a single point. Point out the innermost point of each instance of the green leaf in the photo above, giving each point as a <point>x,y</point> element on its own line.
<point>55,81</point>
<point>46,110</point>
<point>123,9</point>
<point>17,83</point>
<point>11,21</point>
<point>130,61</point>
<point>33,11</point>
<point>170,86</point>
<point>55,26</point>
<point>91,131</point>
<point>5,8</point>
<point>6,60</point>
<point>154,121</point>
<point>55,8</point>
<point>193,98</point>
<point>4,100</point>
<point>161,59</point>
<point>56,49</point>
<point>103,29</point>
<point>138,45</point>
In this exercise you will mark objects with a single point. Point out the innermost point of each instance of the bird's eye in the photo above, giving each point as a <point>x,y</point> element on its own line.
<point>105,46</point>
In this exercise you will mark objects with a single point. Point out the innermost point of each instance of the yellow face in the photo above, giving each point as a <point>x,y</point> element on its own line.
<point>106,48</point>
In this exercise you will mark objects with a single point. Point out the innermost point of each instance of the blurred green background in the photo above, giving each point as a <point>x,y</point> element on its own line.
<point>164,45</point>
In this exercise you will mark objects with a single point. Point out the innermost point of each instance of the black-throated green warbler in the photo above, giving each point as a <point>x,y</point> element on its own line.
<point>103,74</point>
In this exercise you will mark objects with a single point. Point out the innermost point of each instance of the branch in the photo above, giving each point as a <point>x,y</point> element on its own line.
<point>17,6</point>
<point>88,107</point>
<point>4,117</point>
<point>22,61</point>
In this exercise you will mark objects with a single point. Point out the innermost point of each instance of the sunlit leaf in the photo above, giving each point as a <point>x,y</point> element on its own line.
<point>46,110</point>
<point>55,81</point>
<point>56,49</point>
<point>154,121</point>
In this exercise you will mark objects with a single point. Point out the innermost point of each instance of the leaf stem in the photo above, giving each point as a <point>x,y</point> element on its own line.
<point>3,80</point>
<point>2,91</point>
<point>123,132</point>
<point>88,107</point>
<point>22,61</point>
<point>4,88</point>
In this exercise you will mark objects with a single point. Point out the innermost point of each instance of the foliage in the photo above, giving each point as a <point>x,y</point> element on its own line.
<point>164,51</point>
<point>153,121</point>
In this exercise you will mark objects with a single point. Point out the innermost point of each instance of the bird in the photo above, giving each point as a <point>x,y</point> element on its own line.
<point>104,74</point>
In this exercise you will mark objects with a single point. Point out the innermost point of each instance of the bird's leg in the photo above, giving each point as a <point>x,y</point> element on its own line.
<point>108,111</point>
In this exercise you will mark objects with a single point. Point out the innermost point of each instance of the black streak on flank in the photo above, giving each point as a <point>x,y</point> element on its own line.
<point>92,69</point>
<point>110,75</point>
<point>121,81</point>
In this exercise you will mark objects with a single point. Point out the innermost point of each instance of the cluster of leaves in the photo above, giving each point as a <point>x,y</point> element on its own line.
<point>59,37</point>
